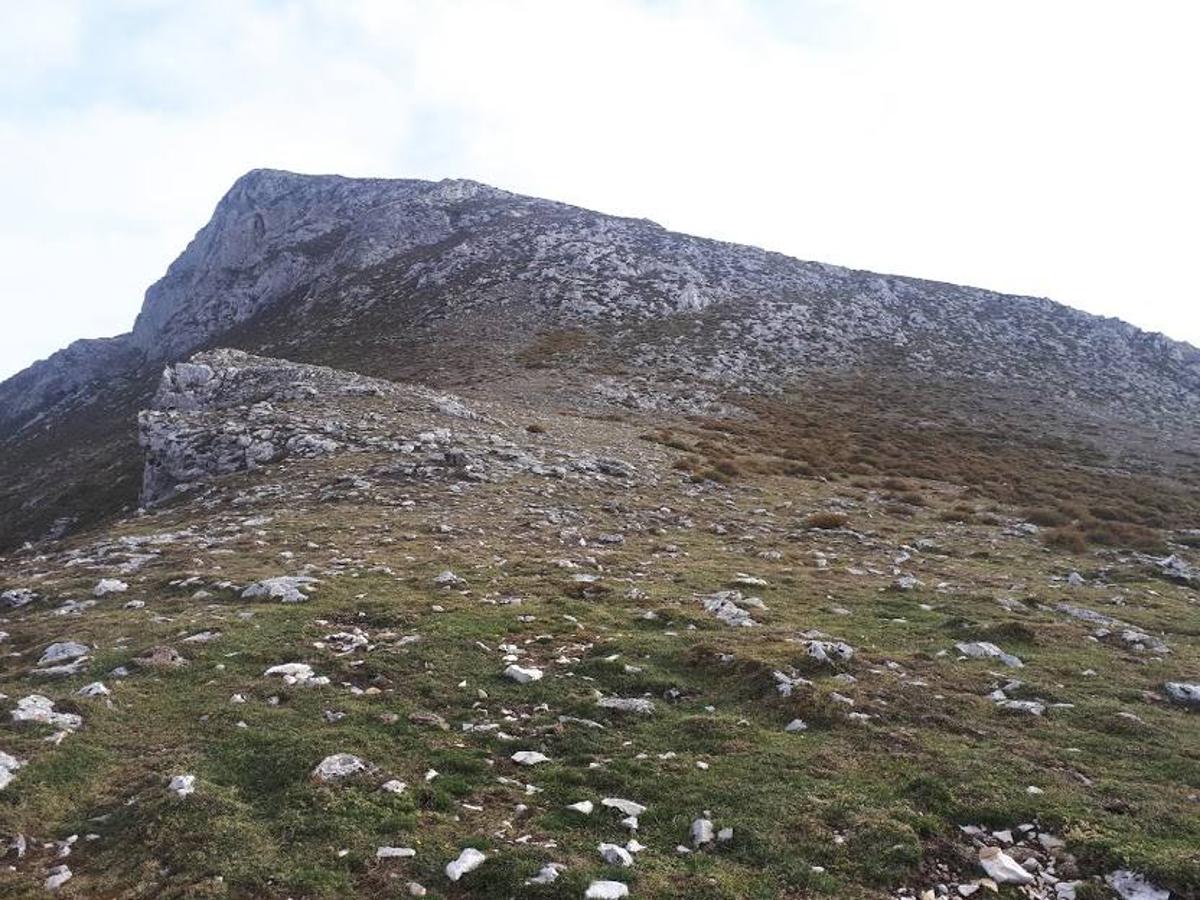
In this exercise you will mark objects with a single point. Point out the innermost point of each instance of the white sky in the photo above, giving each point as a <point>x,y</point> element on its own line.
<point>1048,147</point>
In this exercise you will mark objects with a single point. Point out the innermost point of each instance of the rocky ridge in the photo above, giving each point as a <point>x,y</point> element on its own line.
<point>481,656</point>
<point>458,284</point>
<point>424,539</point>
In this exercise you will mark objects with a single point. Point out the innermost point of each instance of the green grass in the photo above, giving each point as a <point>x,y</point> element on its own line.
<point>874,805</point>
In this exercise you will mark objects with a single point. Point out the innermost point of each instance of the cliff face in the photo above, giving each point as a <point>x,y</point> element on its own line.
<point>462,283</point>
<point>275,233</point>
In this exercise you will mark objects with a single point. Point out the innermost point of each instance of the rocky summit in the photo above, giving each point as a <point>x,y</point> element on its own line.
<point>423,539</point>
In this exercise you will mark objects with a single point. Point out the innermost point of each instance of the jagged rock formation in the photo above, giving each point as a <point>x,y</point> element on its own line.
<point>457,283</point>
<point>218,414</point>
<point>225,411</point>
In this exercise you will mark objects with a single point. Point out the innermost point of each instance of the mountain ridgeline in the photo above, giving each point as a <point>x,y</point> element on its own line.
<point>462,285</point>
<point>428,540</point>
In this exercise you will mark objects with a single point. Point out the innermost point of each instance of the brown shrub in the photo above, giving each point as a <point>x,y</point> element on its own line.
<point>1125,534</point>
<point>827,520</point>
<point>1067,537</point>
<point>1046,517</point>
<point>547,347</point>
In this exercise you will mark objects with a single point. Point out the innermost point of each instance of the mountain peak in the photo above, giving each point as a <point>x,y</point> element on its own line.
<point>458,282</point>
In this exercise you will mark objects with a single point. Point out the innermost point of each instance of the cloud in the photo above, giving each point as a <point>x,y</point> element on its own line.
<point>1037,148</point>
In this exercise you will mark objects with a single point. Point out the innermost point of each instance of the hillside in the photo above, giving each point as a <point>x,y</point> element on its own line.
<point>429,540</point>
<point>466,286</point>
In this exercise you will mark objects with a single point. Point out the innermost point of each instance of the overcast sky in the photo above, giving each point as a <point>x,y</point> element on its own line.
<point>1046,147</point>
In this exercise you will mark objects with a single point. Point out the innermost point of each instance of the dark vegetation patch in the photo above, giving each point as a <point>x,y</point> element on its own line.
<point>905,435</point>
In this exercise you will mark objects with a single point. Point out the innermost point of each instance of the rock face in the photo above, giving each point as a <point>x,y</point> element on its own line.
<point>226,411</point>
<point>455,281</point>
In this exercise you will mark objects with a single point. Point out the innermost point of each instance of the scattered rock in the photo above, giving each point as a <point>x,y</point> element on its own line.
<point>606,890</point>
<point>1023,707</point>
<point>1183,694</point>
<point>395,853</point>
<point>829,651</point>
<point>339,766</point>
<point>448,579</point>
<point>63,651</point>
<point>1002,868</point>
<point>728,607</point>
<point>1132,886</point>
<point>18,597</point>
<point>529,758</point>
<point>36,708</point>
<point>297,673</point>
<point>58,876</point>
<point>8,769</point>
<point>523,675</point>
<point>468,861</point>
<point>548,874</point>
<point>625,807</point>
<point>637,705</point>
<point>109,586</point>
<point>284,588</point>
<point>985,650</point>
<point>615,855</point>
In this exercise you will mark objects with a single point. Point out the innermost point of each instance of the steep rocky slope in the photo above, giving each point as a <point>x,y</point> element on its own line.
<point>460,284</point>
<point>427,540</point>
<point>371,639</point>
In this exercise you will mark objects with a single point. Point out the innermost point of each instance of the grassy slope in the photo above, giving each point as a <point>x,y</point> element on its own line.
<point>934,755</point>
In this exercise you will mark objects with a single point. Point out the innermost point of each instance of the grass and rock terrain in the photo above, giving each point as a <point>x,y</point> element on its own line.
<point>608,653</point>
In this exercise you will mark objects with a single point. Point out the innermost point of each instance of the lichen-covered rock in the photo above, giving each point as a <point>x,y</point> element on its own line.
<point>284,588</point>
<point>468,861</point>
<point>8,769</point>
<point>40,709</point>
<point>339,766</point>
<point>63,651</point>
<point>1184,694</point>
<point>730,608</point>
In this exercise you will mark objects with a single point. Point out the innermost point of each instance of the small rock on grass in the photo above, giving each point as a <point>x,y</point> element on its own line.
<point>627,807</point>
<point>548,874</point>
<point>1132,886</point>
<point>40,709</point>
<point>468,861</point>
<point>8,768</point>
<point>615,855</point>
<point>61,651</point>
<point>606,890</point>
<point>340,765</point>
<point>109,586</point>
<point>1184,694</point>
<point>523,675</point>
<point>395,853</point>
<point>987,650</point>
<point>58,876</point>
<point>1002,868</point>
<point>637,705</point>
<point>285,589</point>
